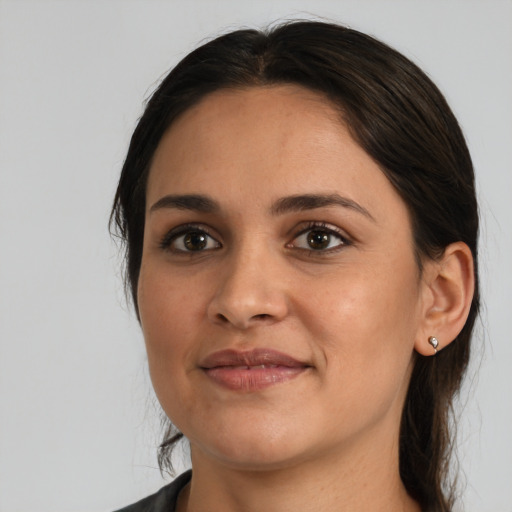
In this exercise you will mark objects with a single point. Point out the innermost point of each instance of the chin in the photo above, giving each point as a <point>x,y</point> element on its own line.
<point>250,460</point>
<point>261,447</point>
<point>256,443</point>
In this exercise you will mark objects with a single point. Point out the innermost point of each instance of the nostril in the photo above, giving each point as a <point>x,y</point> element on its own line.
<point>225,319</point>
<point>263,316</point>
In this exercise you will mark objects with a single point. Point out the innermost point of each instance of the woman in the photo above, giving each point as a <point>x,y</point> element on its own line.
<point>300,220</point>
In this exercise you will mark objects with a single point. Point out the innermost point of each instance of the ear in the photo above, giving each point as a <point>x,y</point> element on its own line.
<point>448,287</point>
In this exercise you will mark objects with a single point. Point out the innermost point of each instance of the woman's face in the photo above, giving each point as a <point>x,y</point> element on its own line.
<point>279,294</point>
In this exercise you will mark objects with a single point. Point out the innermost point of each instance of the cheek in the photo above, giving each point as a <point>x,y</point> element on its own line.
<point>369,359</point>
<point>166,304</point>
<point>367,322</point>
<point>167,313</point>
<point>354,303</point>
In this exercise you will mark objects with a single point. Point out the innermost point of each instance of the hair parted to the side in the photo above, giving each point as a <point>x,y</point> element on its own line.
<point>400,118</point>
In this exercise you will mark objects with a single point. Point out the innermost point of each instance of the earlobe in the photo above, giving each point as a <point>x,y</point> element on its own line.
<point>450,284</point>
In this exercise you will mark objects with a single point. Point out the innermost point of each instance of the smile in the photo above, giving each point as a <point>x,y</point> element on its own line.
<point>251,370</point>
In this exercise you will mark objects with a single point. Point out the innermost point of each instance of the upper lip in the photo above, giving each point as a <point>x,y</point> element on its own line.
<point>254,357</point>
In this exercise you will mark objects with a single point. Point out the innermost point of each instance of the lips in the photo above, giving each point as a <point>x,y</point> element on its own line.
<point>251,370</point>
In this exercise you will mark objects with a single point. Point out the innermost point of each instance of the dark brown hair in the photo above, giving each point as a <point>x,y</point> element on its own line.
<point>400,118</point>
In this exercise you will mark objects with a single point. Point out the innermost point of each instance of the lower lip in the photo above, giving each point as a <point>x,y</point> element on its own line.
<point>253,379</point>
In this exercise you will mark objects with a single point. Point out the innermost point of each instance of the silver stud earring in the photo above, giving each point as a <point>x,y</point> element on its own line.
<point>434,342</point>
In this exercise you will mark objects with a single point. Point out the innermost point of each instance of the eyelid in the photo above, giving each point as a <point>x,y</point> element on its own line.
<point>345,239</point>
<point>303,228</point>
<point>174,233</point>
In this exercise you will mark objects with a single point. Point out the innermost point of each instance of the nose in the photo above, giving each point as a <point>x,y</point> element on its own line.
<point>250,292</point>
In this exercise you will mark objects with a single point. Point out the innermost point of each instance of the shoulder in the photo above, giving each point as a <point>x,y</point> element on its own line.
<point>163,500</point>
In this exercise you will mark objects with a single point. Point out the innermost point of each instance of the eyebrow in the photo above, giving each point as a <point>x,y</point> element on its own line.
<point>302,202</point>
<point>194,202</point>
<point>313,201</point>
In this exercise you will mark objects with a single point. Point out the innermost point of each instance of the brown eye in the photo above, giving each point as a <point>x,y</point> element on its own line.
<point>189,240</point>
<point>318,240</point>
<point>195,241</point>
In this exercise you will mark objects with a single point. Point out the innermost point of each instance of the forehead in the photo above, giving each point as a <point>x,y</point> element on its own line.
<point>286,101</point>
<point>264,142</point>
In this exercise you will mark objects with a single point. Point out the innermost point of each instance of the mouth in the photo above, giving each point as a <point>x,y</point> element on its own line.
<point>251,370</point>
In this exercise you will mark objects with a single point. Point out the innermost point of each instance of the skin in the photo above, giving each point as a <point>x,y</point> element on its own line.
<point>327,439</point>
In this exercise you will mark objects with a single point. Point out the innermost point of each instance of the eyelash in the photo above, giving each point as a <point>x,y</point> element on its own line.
<point>173,235</point>
<point>180,231</point>
<point>323,228</point>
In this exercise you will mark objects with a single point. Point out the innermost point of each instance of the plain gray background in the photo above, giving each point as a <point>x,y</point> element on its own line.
<point>78,423</point>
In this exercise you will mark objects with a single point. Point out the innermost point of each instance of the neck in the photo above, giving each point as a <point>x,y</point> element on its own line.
<point>354,482</point>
